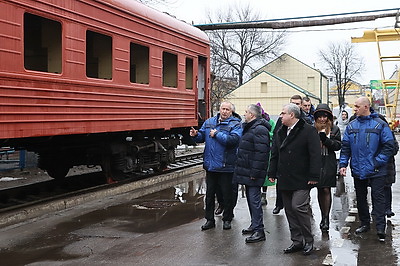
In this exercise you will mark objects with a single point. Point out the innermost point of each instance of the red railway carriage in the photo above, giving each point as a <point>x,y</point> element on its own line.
<point>110,82</point>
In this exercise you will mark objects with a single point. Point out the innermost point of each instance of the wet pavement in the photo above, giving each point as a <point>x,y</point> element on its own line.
<point>163,228</point>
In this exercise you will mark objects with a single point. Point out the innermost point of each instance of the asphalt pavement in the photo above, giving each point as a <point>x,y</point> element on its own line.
<point>164,229</point>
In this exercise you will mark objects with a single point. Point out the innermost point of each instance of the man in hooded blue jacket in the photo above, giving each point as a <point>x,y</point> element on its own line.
<point>369,143</point>
<point>221,135</point>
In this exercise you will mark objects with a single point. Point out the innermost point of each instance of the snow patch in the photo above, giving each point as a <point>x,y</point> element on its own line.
<point>7,179</point>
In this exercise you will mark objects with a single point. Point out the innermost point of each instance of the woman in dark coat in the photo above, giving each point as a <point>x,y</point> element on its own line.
<point>330,138</point>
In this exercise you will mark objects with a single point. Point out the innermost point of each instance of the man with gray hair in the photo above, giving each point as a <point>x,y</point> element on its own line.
<point>251,167</point>
<point>296,163</point>
<point>221,135</point>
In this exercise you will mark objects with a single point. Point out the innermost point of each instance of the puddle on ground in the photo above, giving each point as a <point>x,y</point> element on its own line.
<point>159,211</point>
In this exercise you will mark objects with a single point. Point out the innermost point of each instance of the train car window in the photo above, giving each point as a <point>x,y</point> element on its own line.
<point>139,65</point>
<point>189,73</point>
<point>42,44</point>
<point>170,70</point>
<point>98,55</point>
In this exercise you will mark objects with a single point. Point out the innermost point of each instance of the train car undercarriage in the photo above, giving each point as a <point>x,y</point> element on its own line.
<point>119,154</point>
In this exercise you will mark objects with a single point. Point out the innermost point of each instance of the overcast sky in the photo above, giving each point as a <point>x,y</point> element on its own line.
<point>305,43</point>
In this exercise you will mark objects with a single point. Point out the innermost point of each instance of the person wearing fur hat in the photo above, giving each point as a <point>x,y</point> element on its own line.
<point>330,137</point>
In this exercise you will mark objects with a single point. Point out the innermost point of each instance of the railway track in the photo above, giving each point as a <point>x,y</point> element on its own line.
<point>35,199</point>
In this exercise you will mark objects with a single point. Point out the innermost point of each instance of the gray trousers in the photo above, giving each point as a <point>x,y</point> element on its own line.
<point>297,210</point>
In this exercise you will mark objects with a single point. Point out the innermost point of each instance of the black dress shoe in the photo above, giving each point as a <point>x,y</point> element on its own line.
<point>293,248</point>
<point>276,210</point>
<point>257,236</point>
<point>381,235</point>
<point>227,225</point>
<point>308,248</point>
<point>208,225</point>
<point>247,231</point>
<point>389,214</point>
<point>362,229</point>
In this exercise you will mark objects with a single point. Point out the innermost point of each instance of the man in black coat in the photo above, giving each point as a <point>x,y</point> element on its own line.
<point>296,163</point>
<point>297,100</point>
<point>251,167</point>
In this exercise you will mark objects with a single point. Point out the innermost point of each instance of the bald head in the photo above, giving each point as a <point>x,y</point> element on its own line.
<point>364,100</point>
<point>361,106</point>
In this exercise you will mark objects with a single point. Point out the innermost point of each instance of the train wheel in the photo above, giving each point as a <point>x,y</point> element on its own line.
<point>58,171</point>
<point>161,167</point>
<point>164,164</point>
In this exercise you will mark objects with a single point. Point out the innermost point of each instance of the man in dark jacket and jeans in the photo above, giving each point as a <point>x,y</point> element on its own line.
<point>369,143</point>
<point>296,163</point>
<point>221,134</point>
<point>251,167</point>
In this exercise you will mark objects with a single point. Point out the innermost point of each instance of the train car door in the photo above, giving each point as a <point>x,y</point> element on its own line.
<point>202,93</point>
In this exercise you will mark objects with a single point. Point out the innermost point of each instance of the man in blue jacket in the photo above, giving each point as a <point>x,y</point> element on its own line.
<point>221,135</point>
<point>369,143</point>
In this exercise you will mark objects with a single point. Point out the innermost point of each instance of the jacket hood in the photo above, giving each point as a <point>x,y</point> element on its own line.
<point>256,122</point>
<point>323,108</point>
<point>265,123</point>
<point>236,115</point>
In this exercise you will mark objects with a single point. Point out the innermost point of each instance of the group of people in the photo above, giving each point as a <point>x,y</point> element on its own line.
<point>298,154</point>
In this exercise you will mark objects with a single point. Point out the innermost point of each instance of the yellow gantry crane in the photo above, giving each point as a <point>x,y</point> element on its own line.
<point>389,84</point>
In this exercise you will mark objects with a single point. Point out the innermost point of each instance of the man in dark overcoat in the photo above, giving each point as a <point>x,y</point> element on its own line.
<point>251,167</point>
<point>296,163</point>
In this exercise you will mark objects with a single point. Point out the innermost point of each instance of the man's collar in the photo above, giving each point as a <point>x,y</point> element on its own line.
<point>292,126</point>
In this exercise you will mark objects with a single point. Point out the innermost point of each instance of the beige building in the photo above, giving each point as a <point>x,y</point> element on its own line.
<point>274,84</point>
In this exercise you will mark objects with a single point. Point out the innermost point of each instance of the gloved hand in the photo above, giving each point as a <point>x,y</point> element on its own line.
<point>322,136</point>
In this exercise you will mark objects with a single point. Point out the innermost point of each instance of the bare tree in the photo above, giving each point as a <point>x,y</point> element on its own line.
<point>239,50</point>
<point>222,86</point>
<point>343,63</point>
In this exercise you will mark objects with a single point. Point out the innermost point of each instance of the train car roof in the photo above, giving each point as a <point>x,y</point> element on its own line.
<point>136,8</point>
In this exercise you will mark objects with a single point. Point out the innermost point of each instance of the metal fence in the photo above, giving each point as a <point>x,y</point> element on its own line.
<point>12,159</point>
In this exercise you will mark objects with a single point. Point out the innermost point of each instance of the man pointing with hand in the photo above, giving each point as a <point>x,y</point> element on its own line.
<point>221,135</point>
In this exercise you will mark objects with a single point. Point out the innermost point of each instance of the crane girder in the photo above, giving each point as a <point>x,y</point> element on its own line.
<point>389,86</point>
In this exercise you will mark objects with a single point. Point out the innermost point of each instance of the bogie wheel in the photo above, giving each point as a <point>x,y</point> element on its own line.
<point>58,171</point>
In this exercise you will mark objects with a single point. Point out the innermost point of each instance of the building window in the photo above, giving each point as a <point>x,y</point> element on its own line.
<point>139,68</point>
<point>189,73</point>
<point>42,44</point>
<point>170,69</point>
<point>98,55</point>
<point>264,87</point>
